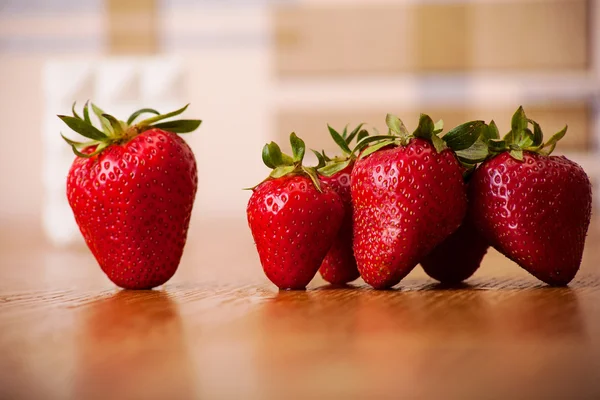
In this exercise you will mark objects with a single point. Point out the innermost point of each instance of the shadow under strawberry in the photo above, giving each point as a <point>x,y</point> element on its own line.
<point>128,338</point>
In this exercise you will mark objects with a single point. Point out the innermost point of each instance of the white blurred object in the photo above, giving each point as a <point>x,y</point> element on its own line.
<point>117,85</point>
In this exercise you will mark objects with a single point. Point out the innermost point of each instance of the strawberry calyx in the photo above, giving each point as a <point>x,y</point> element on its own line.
<point>468,143</point>
<point>285,165</point>
<point>398,134</point>
<point>115,131</point>
<point>465,139</point>
<point>521,138</point>
<point>330,166</point>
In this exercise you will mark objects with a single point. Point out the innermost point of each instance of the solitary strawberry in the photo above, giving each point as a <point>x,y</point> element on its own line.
<point>339,266</point>
<point>293,218</point>
<point>131,188</point>
<point>408,195</point>
<point>460,255</point>
<point>532,207</point>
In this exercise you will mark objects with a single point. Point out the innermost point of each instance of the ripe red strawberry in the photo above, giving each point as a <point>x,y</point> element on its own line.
<point>532,207</point>
<point>339,266</point>
<point>293,218</point>
<point>407,199</point>
<point>132,188</point>
<point>457,257</point>
<point>460,255</point>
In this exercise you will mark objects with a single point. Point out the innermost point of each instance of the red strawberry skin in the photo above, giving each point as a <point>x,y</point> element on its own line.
<point>536,212</point>
<point>339,266</point>
<point>457,257</point>
<point>293,226</point>
<point>406,200</point>
<point>133,204</point>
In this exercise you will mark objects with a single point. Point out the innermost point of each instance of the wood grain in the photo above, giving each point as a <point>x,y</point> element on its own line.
<point>219,330</point>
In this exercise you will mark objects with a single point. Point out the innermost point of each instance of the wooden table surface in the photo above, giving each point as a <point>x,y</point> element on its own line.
<point>220,330</point>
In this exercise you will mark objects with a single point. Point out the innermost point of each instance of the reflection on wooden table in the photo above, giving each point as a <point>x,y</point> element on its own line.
<point>220,330</point>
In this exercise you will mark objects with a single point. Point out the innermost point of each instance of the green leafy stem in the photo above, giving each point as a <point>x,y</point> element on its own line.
<point>114,131</point>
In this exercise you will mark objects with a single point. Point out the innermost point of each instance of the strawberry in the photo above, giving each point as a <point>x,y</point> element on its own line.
<point>131,189</point>
<point>460,255</point>
<point>339,266</point>
<point>293,218</point>
<point>532,207</point>
<point>408,196</point>
<point>457,257</point>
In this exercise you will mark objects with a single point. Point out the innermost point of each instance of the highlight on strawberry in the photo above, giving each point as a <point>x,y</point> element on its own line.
<point>132,187</point>
<point>293,216</point>
<point>339,266</point>
<point>532,207</point>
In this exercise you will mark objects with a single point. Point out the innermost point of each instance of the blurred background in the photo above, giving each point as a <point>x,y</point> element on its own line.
<point>256,70</point>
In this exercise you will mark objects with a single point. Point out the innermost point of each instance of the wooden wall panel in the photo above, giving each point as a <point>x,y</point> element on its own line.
<point>311,125</point>
<point>389,39</point>
<point>132,27</point>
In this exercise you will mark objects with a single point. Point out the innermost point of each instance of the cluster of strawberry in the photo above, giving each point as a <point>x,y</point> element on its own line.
<point>396,200</point>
